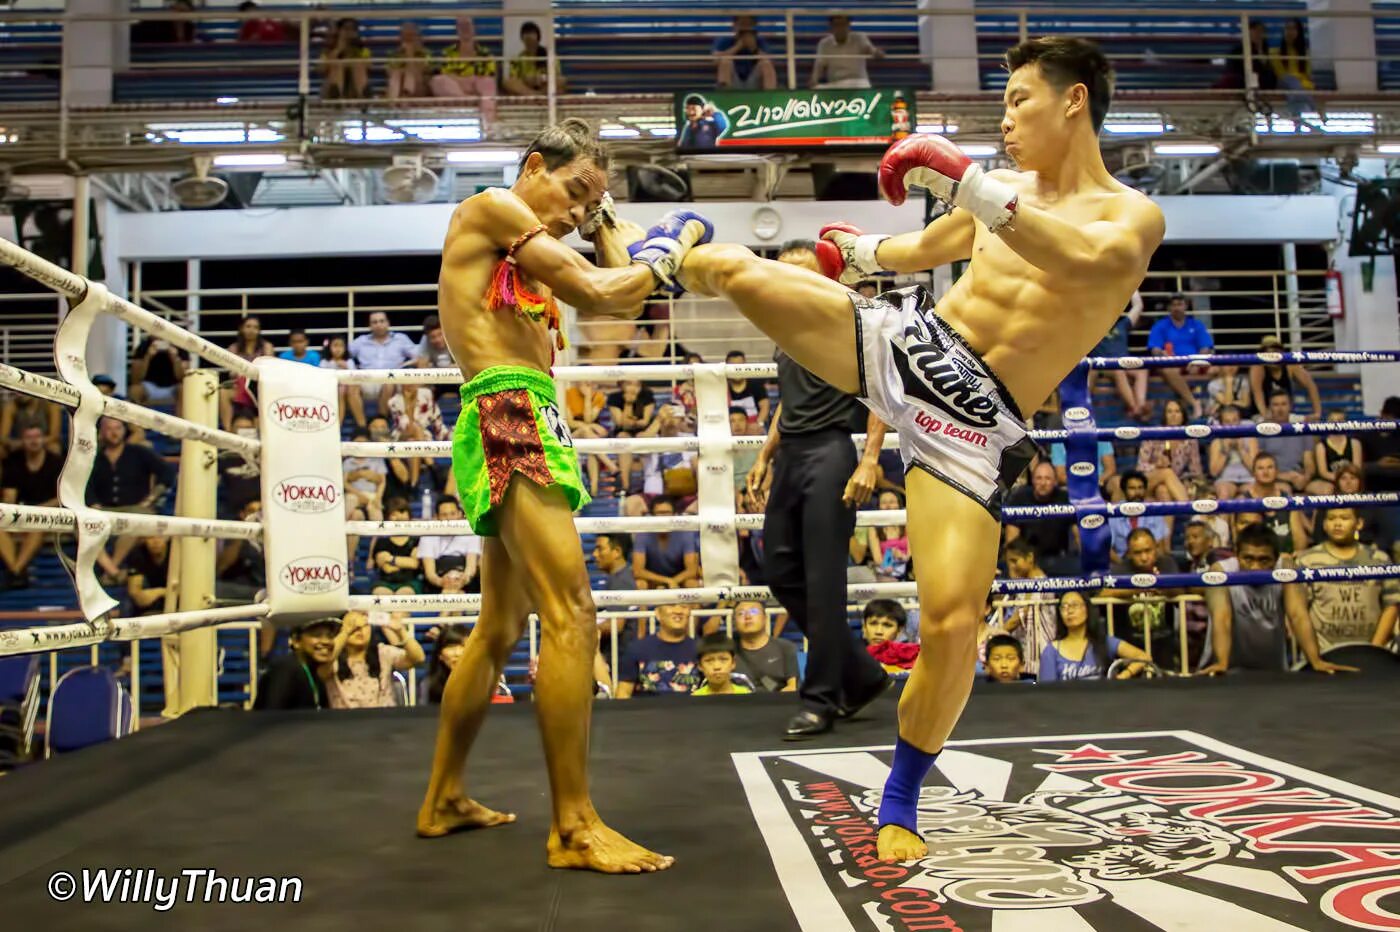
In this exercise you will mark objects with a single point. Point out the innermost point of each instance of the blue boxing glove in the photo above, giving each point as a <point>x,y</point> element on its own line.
<point>666,243</point>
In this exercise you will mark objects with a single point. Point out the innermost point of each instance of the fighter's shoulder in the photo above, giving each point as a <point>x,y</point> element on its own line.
<point>493,203</point>
<point>1132,206</point>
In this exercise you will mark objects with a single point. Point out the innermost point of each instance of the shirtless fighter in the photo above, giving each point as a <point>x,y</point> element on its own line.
<point>1057,249</point>
<point>517,474</point>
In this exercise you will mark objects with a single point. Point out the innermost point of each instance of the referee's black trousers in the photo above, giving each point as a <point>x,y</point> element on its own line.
<point>806,538</point>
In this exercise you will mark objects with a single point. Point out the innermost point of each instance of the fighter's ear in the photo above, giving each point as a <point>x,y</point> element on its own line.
<point>1076,100</point>
<point>534,162</point>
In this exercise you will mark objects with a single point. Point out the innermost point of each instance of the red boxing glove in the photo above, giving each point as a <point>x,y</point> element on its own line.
<point>936,163</point>
<point>846,254</point>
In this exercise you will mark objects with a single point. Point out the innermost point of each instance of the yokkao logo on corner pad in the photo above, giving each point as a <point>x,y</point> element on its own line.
<point>313,575</point>
<point>303,415</point>
<point>308,495</point>
<point>1089,522</point>
<point>1082,469</point>
<point>1214,578</point>
<point>1285,575</point>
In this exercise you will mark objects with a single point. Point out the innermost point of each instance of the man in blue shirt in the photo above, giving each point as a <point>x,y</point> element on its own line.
<point>382,348</point>
<point>1180,334</point>
<point>1119,529</point>
<point>743,60</point>
<point>664,663</point>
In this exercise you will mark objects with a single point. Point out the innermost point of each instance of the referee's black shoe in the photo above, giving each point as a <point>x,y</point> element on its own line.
<point>854,706</point>
<point>807,724</point>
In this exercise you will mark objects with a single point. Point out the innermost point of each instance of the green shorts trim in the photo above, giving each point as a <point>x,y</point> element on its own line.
<point>511,423</point>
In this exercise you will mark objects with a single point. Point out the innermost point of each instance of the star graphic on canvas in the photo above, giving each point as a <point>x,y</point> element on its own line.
<point>1085,753</point>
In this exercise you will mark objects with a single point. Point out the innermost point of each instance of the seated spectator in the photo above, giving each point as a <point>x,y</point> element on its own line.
<point>157,370</point>
<point>382,348</point>
<point>1180,334</point>
<point>1264,77</point>
<point>1005,660</point>
<point>468,70</point>
<point>670,474</point>
<point>585,404</point>
<point>240,479</point>
<point>1053,538</point>
<point>668,559</point>
<point>235,398</point>
<point>886,545</point>
<point>1147,610</point>
<point>1266,379</point>
<point>882,627</point>
<point>409,65</point>
<point>1247,623</point>
<point>663,663</point>
<point>743,60</point>
<point>1080,651</point>
<point>1373,530</point>
<point>1290,63</point>
<point>743,459</point>
<point>173,31</point>
<point>715,653</point>
<point>1170,464</point>
<point>401,476</point>
<point>29,476</point>
<point>770,663</point>
<point>1288,525</point>
<point>449,645</point>
<point>20,411</point>
<point>147,568</point>
<point>396,557</point>
<point>295,680</point>
<point>1333,450</point>
<point>1119,528</point>
<point>841,56</point>
<point>299,349</point>
<point>1292,453</point>
<point>612,554</point>
<point>1358,611</point>
<point>1232,458</point>
<point>241,569</point>
<point>365,477</point>
<point>1230,387</point>
<point>345,63</point>
<point>362,670</point>
<point>440,554</point>
<point>125,478</point>
<point>351,396</point>
<point>261,30</point>
<point>433,351</point>
<point>413,414</point>
<point>1032,620</point>
<point>633,407</point>
<point>529,71</point>
<point>1130,383</point>
<point>749,395</point>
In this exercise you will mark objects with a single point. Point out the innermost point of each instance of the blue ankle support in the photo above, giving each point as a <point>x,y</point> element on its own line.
<point>899,804</point>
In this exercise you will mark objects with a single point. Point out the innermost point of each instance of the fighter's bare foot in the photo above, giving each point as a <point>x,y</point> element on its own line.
<point>595,847</point>
<point>458,814</point>
<point>899,844</point>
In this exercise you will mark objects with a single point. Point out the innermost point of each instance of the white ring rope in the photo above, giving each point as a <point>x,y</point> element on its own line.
<point>39,518</point>
<point>85,633</point>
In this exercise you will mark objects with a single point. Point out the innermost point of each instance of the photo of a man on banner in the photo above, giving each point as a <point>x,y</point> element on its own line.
<point>703,124</point>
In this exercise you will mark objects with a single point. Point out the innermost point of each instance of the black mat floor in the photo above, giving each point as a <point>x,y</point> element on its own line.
<point>330,798</point>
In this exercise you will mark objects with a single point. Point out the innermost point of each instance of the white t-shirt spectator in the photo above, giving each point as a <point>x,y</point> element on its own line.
<point>452,549</point>
<point>842,64</point>
<point>356,463</point>
<point>398,350</point>
<point>436,358</point>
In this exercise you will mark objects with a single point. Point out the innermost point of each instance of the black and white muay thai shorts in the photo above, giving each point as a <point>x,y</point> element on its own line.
<point>955,419</point>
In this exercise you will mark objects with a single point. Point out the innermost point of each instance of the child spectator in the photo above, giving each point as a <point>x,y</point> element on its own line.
<point>770,663</point>
<point>1080,651</point>
<point>1031,622</point>
<point>886,547</point>
<point>716,656</point>
<point>409,64</point>
<point>1005,661</point>
<point>363,667</point>
<point>299,349</point>
<point>295,681</point>
<point>882,623</point>
<point>396,558</point>
<point>337,356</point>
<point>1232,458</point>
<point>663,663</point>
<point>1344,612</point>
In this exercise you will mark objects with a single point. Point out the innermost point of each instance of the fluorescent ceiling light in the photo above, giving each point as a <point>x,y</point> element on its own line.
<point>1186,148</point>
<point>978,151</point>
<point>662,131</point>
<point>618,132</point>
<point>940,129</point>
<point>484,157</point>
<point>1134,129</point>
<point>225,100</point>
<point>250,160</point>
<point>1389,148</point>
<point>209,135</point>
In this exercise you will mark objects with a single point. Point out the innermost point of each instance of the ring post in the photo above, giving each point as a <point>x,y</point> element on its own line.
<point>198,649</point>
<point>1082,471</point>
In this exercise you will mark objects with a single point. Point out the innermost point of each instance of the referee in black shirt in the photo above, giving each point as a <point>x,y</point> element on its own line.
<point>817,483</point>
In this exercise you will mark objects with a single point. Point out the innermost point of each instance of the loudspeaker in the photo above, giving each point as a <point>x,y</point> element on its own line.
<point>1375,223</point>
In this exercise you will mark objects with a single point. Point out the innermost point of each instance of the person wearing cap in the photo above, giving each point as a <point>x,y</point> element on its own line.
<point>297,680</point>
<point>1180,334</point>
<point>1266,379</point>
<point>703,124</point>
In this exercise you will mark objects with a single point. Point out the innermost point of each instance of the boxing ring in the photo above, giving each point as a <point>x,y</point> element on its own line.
<point>1252,802</point>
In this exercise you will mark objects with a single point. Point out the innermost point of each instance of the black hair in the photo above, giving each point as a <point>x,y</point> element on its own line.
<point>432,322</point>
<point>1132,474</point>
<point>1257,535</point>
<point>1390,408</point>
<point>448,498</point>
<point>716,644</point>
<point>1066,61</point>
<point>1328,511</point>
<point>1005,640</point>
<point>1263,455</point>
<point>397,503</point>
<point>566,141</point>
<point>529,26</point>
<point>1092,628</point>
<point>738,410</point>
<point>695,99</point>
<point>342,663</point>
<point>733,353</point>
<point>1280,391</point>
<point>662,499</point>
<point>1301,49</point>
<point>621,540</point>
<point>1019,547</point>
<point>798,245</point>
<point>295,333</point>
<point>437,670</point>
<point>884,608</point>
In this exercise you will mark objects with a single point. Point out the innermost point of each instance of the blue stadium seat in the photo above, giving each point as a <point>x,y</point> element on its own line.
<point>19,707</point>
<point>87,706</point>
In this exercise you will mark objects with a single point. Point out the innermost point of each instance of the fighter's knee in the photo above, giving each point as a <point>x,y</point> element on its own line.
<point>948,620</point>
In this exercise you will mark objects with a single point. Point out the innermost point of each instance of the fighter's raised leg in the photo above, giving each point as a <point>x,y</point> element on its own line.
<point>505,609</point>
<point>537,528</point>
<point>953,547</point>
<point>809,316</point>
